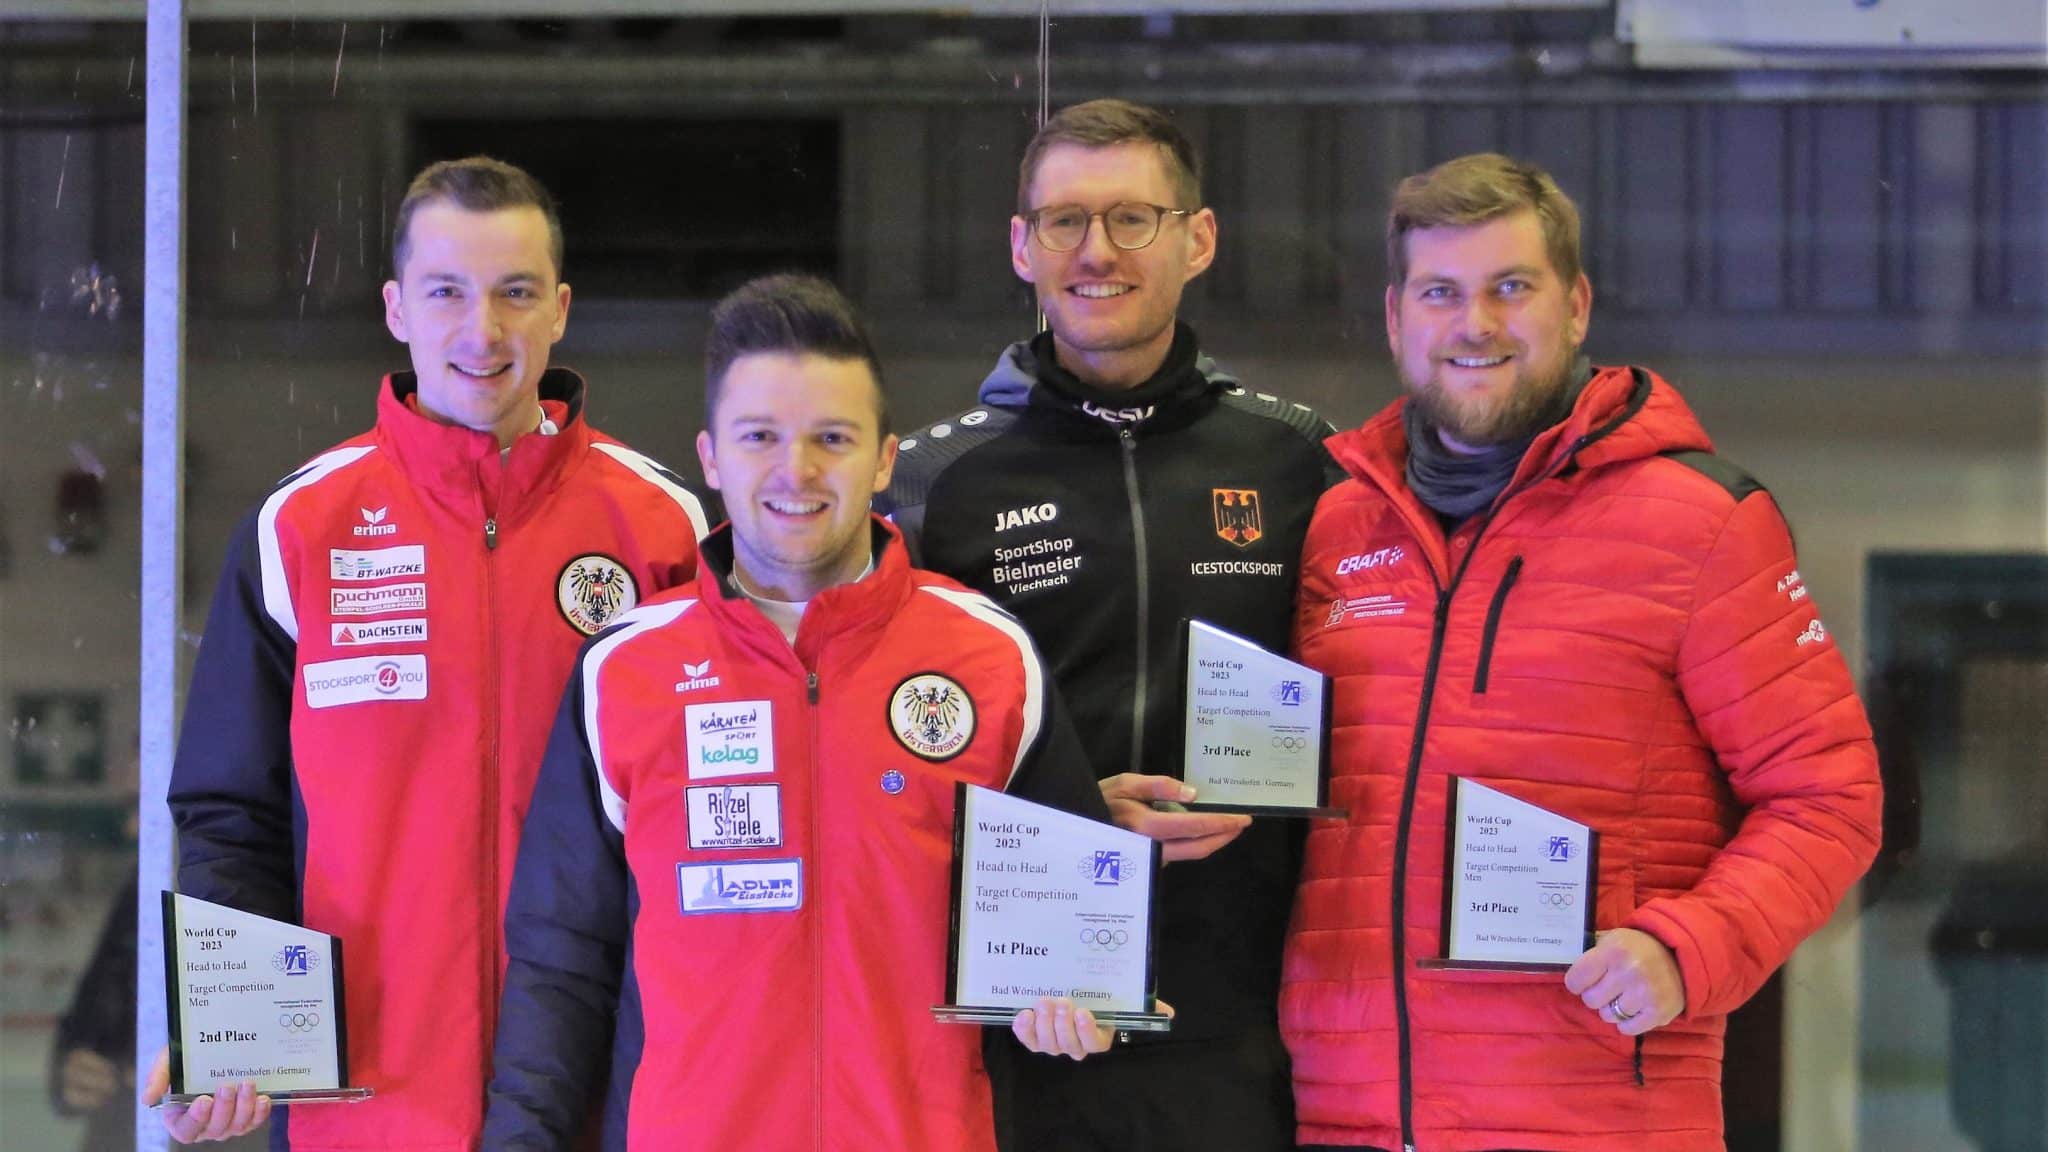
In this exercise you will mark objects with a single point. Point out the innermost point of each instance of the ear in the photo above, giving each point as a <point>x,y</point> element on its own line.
<point>706,459</point>
<point>1020,252</point>
<point>1582,310</point>
<point>1201,242</point>
<point>1394,320</point>
<point>561,312</point>
<point>394,312</point>
<point>887,467</point>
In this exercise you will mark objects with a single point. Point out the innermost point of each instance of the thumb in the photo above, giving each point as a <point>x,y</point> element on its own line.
<point>159,1081</point>
<point>1586,971</point>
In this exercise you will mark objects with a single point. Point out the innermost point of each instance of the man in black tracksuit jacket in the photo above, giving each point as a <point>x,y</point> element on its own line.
<point>1112,482</point>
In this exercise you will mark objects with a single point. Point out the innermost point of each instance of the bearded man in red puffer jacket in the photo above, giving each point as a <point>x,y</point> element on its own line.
<point>1540,577</point>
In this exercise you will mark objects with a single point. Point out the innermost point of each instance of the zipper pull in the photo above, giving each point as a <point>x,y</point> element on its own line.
<point>812,687</point>
<point>491,534</point>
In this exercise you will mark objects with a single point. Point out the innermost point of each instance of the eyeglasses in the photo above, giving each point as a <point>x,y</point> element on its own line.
<point>1129,225</point>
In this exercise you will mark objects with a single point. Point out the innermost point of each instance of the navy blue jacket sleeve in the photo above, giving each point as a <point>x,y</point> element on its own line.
<point>566,928</point>
<point>231,791</point>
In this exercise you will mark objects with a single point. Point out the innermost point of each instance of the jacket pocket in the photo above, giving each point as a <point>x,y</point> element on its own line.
<point>1493,611</point>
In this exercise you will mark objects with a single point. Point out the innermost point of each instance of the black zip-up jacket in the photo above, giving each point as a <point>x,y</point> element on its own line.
<point>1102,519</point>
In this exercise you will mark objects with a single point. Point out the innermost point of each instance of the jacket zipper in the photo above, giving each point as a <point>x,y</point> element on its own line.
<point>1144,613</point>
<point>1436,645</point>
<point>1500,601</point>
<point>817,926</point>
<point>494,927</point>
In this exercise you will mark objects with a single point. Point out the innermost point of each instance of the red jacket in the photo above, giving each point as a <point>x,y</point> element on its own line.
<point>368,711</point>
<point>766,981</point>
<point>1623,638</point>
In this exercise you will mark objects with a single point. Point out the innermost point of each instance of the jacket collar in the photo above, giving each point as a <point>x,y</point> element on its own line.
<point>460,464</point>
<point>858,611</point>
<point>1187,385</point>
<point>1623,414</point>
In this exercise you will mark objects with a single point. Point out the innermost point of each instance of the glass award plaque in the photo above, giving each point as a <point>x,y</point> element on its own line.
<point>1518,884</point>
<point>255,999</point>
<point>1255,733</point>
<point>1047,903</point>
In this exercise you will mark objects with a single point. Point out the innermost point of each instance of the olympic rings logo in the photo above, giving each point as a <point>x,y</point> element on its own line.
<point>1559,899</point>
<point>1290,743</point>
<point>1104,939</point>
<point>298,1021</point>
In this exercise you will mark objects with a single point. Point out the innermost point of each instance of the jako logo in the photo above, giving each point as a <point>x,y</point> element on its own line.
<point>1019,517</point>
<point>1368,560</point>
<point>373,523</point>
<point>699,677</point>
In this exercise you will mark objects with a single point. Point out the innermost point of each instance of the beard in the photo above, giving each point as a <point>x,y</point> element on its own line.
<point>1532,405</point>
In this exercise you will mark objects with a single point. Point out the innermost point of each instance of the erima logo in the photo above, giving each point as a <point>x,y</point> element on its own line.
<point>1365,561</point>
<point>1019,517</point>
<point>699,676</point>
<point>373,523</point>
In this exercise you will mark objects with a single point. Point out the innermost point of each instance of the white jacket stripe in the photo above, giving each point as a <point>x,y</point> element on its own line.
<point>630,625</point>
<point>983,609</point>
<point>647,470</point>
<point>277,592</point>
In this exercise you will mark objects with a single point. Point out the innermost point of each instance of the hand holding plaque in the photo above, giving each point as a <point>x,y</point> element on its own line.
<point>1255,737</point>
<point>1047,904</point>
<point>252,999</point>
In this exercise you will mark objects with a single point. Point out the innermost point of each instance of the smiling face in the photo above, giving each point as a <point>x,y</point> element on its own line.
<point>479,306</point>
<point>796,448</point>
<point>1484,330</point>
<point>1111,311</point>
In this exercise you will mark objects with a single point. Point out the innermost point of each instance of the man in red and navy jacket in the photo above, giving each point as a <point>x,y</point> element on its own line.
<point>736,875</point>
<point>389,637</point>
<point>1540,578</point>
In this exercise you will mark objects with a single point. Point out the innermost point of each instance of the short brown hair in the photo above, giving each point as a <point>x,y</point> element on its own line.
<point>474,184</point>
<point>791,314</point>
<point>1473,190</point>
<point>1105,124</point>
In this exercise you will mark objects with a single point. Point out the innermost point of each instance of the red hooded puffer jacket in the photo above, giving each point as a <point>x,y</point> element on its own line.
<point>1623,638</point>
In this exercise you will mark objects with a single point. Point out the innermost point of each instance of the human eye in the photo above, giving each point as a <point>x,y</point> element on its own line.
<point>1514,287</point>
<point>1435,293</point>
<point>1131,215</point>
<point>1064,217</point>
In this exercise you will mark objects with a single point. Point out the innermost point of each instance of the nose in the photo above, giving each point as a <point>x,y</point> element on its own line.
<point>1479,320</point>
<point>1096,251</point>
<point>803,461</point>
<point>482,323</point>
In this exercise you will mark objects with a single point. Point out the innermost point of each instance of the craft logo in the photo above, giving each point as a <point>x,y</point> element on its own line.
<point>373,523</point>
<point>1366,561</point>
<point>931,716</point>
<point>594,590</point>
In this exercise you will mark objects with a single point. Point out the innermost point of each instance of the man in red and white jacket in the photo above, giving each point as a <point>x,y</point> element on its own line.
<point>389,637</point>
<point>736,875</point>
<point>1540,578</point>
